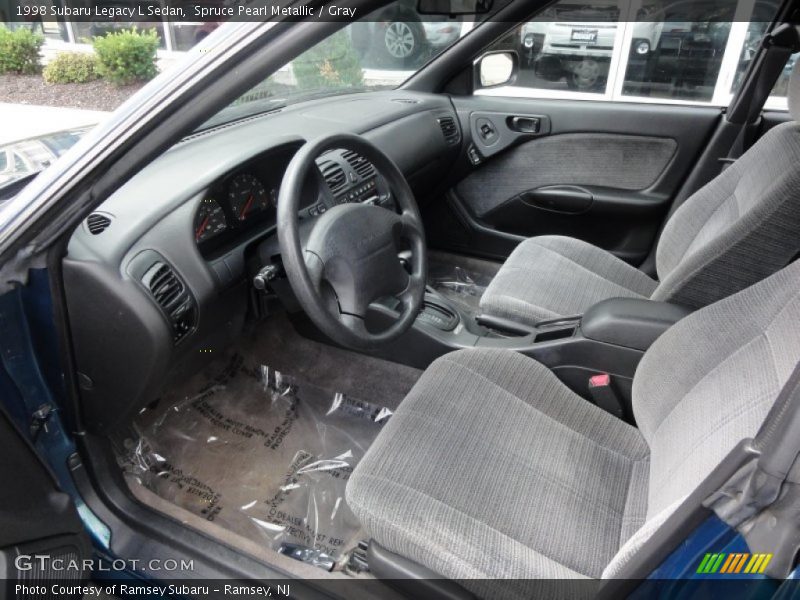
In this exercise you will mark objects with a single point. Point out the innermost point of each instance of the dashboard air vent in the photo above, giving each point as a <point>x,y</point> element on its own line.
<point>361,165</point>
<point>449,129</point>
<point>97,223</point>
<point>171,295</point>
<point>334,175</point>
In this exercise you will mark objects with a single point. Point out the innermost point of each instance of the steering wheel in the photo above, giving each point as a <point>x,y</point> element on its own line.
<point>350,257</point>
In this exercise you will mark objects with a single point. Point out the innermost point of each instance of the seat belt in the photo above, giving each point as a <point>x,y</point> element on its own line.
<point>778,46</point>
<point>762,499</point>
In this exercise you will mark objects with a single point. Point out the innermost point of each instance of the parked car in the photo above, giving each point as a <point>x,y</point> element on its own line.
<point>400,35</point>
<point>561,45</point>
<point>30,156</point>
<point>666,37</point>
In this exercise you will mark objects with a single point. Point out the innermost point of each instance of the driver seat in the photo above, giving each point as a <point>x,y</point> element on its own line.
<point>739,228</point>
<point>491,468</point>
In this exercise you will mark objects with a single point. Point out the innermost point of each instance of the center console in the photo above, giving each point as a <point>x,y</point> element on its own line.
<point>610,338</point>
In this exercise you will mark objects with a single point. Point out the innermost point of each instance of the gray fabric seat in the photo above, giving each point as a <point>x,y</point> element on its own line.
<point>492,468</point>
<point>741,227</point>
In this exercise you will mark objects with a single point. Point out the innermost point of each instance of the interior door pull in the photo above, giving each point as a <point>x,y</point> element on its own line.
<point>525,124</point>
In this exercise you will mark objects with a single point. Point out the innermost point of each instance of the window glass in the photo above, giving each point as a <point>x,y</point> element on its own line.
<point>377,52</point>
<point>756,29</point>
<point>569,46</point>
<point>49,29</point>
<point>762,15</point>
<point>659,50</point>
<point>19,163</point>
<point>677,49</point>
<point>186,34</point>
<point>781,88</point>
<point>98,26</point>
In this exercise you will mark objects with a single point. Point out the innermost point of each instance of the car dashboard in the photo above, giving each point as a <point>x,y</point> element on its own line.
<point>156,279</point>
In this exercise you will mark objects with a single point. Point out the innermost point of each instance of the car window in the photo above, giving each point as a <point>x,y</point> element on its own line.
<point>677,49</point>
<point>674,51</point>
<point>569,46</point>
<point>19,163</point>
<point>781,88</point>
<point>755,32</point>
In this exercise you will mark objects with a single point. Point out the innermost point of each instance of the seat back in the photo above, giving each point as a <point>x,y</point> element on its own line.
<point>742,226</point>
<point>706,384</point>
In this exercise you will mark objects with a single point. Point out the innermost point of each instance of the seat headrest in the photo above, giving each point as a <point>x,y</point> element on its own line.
<point>794,92</point>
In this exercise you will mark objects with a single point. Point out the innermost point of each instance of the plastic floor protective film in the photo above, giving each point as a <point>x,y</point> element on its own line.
<point>459,284</point>
<point>262,455</point>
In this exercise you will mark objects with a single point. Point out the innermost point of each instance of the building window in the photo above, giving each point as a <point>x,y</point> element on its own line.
<point>660,51</point>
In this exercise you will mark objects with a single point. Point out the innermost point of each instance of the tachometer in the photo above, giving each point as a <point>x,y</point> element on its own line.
<point>209,221</point>
<point>247,195</point>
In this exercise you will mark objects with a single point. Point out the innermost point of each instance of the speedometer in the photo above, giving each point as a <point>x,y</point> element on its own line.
<point>247,195</point>
<point>209,221</point>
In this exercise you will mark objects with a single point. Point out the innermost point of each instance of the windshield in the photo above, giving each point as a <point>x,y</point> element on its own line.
<point>377,52</point>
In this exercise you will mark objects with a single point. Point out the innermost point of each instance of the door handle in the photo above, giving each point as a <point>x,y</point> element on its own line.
<point>525,124</point>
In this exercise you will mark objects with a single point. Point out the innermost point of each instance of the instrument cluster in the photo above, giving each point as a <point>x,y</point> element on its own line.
<point>245,200</point>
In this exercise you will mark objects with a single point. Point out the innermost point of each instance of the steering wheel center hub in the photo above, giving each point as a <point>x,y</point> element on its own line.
<point>356,248</point>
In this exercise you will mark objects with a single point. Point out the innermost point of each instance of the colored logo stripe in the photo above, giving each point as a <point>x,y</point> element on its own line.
<point>734,563</point>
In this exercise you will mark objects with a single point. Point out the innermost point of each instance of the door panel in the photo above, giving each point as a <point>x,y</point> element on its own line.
<point>600,171</point>
<point>621,162</point>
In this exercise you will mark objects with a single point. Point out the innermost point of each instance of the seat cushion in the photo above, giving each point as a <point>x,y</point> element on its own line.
<point>548,277</point>
<point>492,468</point>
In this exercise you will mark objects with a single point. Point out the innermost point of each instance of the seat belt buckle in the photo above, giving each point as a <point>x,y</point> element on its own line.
<point>603,394</point>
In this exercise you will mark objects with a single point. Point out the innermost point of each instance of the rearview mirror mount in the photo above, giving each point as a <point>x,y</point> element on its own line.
<point>454,7</point>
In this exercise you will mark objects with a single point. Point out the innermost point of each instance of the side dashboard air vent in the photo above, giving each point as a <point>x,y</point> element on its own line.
<point>450,130</point>
<point>334,175</point>
<point>360,165</point>
<point>97,223</point>
<point>173,297</point>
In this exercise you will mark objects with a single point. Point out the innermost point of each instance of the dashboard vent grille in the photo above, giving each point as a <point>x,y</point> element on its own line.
<point>334,175</point>
<point>449,129</point>
<point>361,165</point>
<point>97,223</point>
<point>172,296</point>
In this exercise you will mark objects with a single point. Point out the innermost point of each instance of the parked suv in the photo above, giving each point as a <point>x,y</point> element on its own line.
<point>560,45</point>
